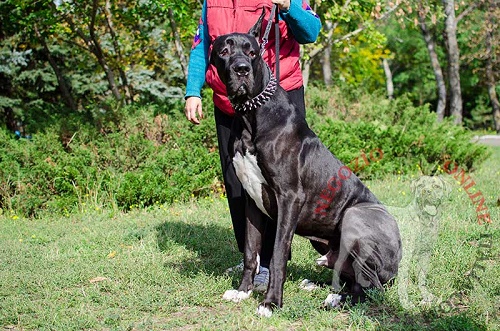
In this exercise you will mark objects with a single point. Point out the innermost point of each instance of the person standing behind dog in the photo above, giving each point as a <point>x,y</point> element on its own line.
<point>298,24</point>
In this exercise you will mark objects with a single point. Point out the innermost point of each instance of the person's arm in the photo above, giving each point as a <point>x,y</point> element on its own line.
<point>198,58</point>
<point>197,68</point>
<point>302,21</point>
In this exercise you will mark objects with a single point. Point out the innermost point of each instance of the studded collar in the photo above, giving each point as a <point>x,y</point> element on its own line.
<point>260,99</point>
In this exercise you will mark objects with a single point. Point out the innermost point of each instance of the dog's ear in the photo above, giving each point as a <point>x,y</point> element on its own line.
<point>446,186</point>
<point>213,52</point>
<point>257,27</point>
<point>416,183</point>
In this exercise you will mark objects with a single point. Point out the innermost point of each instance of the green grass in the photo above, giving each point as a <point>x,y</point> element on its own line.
<point>163,268</point>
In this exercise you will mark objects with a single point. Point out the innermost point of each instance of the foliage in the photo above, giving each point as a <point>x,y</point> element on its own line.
<point>354,46</point>
<point>104,51</point>
<point>142,156</point>
<point>409,137</point>
<point>76,57</point>
<point>411,68</point>
<point>412,72</point>
<point>357,63</point>
<point>135,161</point>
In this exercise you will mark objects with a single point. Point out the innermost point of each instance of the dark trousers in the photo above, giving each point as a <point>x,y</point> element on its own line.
<point>234,190</point>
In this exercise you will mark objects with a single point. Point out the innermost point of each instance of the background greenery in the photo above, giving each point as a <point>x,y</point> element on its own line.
<point>138,159</point>
<point>59,58</point>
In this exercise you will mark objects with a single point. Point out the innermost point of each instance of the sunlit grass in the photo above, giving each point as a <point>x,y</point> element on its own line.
<point>163,268</point>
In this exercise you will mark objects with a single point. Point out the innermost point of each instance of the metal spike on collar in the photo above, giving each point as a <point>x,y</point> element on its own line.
<point>260,99</point>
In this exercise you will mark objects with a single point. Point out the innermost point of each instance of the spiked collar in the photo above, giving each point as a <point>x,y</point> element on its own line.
<point>260,99</point>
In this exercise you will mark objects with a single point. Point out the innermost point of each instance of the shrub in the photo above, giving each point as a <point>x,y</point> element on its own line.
<point>140,156</point>
<point>138,161</point>
<point>409,137</point>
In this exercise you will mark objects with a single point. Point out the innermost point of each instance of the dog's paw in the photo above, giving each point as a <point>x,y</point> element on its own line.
<point>308,285</point>
<point>428,301</point>
<point>407,304</point>
<point>332,301</point>
<point>322,261</point>
<point>264,311</point>
<point>236,296</point>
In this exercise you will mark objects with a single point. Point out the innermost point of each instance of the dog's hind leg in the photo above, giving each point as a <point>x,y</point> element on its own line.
<point>363,251</point>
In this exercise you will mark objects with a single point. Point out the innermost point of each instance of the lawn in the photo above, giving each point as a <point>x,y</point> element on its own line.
<point>163,268</point>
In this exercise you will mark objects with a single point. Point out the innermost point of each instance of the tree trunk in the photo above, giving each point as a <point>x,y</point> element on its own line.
<point>306,71</point>
<point>94,47</point>
<point>99,54</point>
<point>490,75</point>
<point>63,85</point>
<point>388,79</point>
<point>453,54</point>
<point>116,47</point>
<point>326,65</point>
<point>178,43</point>
<point>436,66</point>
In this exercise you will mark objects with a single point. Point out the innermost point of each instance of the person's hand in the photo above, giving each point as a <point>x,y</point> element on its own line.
<point>193,110</point>
<point>282,4</point>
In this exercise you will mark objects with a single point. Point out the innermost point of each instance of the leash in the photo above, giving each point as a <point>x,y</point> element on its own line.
<point>265,38</point>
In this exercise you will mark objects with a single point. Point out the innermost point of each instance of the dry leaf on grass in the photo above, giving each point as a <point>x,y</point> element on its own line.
<point>98,279</point>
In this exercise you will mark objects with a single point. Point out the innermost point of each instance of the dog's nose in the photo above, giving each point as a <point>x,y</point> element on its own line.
<point>242,69</point>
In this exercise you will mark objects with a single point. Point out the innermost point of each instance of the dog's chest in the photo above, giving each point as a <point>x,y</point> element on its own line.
<point>251,177</point>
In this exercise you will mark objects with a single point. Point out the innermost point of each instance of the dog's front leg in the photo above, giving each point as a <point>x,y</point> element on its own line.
<point>253,243</point>
<point>288,216</point>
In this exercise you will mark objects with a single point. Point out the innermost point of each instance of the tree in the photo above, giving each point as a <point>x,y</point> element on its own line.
<point>85,22</point>
<point>438,23</point>
<point>92,52</point>
<point>36,21</point>
<point>436,66</point>
<point>343,23</point>
<point>483,52</point>
<point>492,58</point>
<point>453,55</point>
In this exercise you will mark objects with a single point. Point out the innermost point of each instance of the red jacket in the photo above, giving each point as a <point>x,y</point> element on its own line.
<point>227,16</point>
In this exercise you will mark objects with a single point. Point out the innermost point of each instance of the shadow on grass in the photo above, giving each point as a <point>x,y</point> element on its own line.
<point>214,249</point>
<point>428,321</point>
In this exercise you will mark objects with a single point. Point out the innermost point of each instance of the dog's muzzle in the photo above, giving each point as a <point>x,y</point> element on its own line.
<point>241,69</point>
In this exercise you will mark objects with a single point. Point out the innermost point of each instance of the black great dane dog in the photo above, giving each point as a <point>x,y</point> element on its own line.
<point>292,177</point>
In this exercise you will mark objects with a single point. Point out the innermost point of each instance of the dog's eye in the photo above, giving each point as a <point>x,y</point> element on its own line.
<point>224,52</point>
<point>252,54</point>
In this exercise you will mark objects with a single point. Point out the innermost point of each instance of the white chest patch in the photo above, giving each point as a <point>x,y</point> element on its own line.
<point>251,177</point>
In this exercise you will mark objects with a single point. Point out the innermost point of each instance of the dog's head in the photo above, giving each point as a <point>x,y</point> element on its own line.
<point>236,57</point>
<point>430,192</point>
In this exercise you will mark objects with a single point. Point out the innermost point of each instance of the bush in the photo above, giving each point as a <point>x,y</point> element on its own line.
<point>139,156</point>
<point>378,136</point>
<point>139,161</point>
